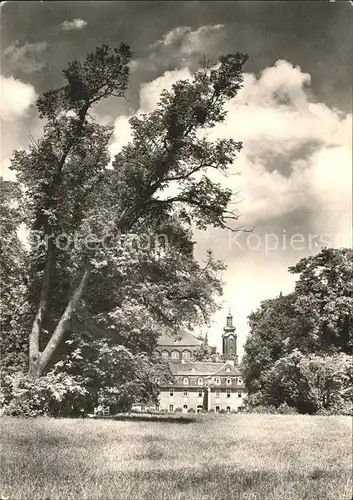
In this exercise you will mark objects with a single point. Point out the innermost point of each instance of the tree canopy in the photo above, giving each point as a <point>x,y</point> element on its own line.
<point>109,251</point>
<point>294,338</point>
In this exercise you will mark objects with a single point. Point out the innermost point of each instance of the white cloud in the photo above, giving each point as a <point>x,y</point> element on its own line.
<point>27,57</point>
<point>181,47</point>
<point>189,41</point>
<point>74,25</point>
<point>16,98</point>
<point>277,119</point>
<point>289,140</point>
<point>296,158</point>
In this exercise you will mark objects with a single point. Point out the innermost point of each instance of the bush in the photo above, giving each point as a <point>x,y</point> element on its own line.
<point>260,409</point>
<point>284,409</point>
<point>178,409</point>
<point>191,410</point>
<point>345,409</point>
<point>52,395</point>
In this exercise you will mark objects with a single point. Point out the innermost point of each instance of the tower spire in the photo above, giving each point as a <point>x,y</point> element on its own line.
<point>229,338</point>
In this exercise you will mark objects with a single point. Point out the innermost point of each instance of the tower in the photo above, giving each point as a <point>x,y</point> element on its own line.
<point>229,340</point>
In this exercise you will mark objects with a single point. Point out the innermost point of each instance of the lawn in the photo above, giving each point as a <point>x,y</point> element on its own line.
<point>267,457</point>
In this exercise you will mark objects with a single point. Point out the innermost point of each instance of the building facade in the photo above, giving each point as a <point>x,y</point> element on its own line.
<point>215,385</point>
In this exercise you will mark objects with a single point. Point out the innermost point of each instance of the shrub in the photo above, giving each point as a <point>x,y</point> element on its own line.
<point>178,409</point>
<point>260,409</point>
<point>52,395</point>
<point>191,410</point>
<point>284,409</point>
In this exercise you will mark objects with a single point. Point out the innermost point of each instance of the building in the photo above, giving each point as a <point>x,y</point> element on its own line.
<point>201,385</point>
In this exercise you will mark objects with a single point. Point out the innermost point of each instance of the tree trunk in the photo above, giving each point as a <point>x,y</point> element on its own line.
<point>37,368</point>
<point>34,336</point>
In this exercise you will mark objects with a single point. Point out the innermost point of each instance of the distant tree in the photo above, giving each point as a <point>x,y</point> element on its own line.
<point>69,192</point>
<point>324,296</point>
<point>14,310</point>
<point>205,353</point>
<point>272,328</point>
<point>316,319</point>
<point>311,383</point>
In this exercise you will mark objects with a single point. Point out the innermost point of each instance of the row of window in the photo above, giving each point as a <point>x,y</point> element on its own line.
<point>217,408</point>
<point>200,393</point>
<point>177,354</point>
<point>216,380</point>
<point>200,381</point>
<point>185,408</point>
<point>186,381</point>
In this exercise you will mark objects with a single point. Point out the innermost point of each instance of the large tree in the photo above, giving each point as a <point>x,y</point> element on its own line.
<point>315,320</point>
<point>324,296</point>
<point>71,195</point>
<point>14,311</point>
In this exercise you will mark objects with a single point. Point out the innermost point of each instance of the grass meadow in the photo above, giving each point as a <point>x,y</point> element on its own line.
<point>267,457</point>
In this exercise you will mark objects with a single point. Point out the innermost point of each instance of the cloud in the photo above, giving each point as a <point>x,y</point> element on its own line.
<point>296,150</point>
<point>296,153</point>
<point>295,177</point>
<point>25,57</point>
<point>180,47</point>
<point>74,25</point>
<point>16,98</point>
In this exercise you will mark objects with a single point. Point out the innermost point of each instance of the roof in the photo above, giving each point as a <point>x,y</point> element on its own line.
<point>203,368</point>
<point>182,338</point>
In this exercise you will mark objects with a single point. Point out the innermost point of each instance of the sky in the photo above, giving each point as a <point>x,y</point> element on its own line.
<point>293,115</point>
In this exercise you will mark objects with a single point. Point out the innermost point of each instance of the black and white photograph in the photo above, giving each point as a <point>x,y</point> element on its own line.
<point>176,259</point>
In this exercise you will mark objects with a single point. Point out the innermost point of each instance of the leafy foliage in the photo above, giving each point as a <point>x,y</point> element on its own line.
<point>71,195</point>
<point>55,394</point>
<point>324,295</point>
<point>14,311</point>
<point>112,374</point>
<point>297,342</point>
<point>312,383</point>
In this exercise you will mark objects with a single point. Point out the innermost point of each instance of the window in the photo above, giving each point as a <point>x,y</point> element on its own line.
<point>229,381</point>
<point>186,355</point>
<point>217,393</point>
<point>185,392</point>
<point>175,355</point>
<point>157,407</point>
<point>185,381</point>
<point>229,392</point>
<point>228,409</point>
<point>200,393</point>
<point>199,408</point>
<point>239,394</point>
<point>217,380</point>
<point>217,409</point>
<point>165,354</point>
<point>200,381</point>
<point>185,408</point>
<point>171,408</point>
<point>228,369</point>
<point>171,392</point>
<point>240,381</point>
